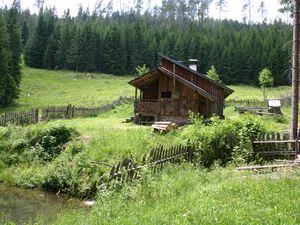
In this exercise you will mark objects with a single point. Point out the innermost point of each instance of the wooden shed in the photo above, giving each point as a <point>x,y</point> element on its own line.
<point>172,90</point>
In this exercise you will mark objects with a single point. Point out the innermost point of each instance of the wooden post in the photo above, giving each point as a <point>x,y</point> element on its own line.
<point>296,148</point>
<point>295,72</point>
<point>174,81</point>
<point>174,89</point>
<point>135,93</point>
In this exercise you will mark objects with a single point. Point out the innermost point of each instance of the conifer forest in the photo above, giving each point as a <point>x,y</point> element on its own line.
<point>112,42</point>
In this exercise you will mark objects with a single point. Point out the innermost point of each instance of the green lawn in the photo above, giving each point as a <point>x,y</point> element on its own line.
<point>41,88</point>
<point>108,138</point>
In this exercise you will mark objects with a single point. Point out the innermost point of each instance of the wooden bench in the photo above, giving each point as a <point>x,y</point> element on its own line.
<point>164,126</point>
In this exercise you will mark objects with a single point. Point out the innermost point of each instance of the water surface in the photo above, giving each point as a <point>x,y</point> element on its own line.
<point>23,206</point>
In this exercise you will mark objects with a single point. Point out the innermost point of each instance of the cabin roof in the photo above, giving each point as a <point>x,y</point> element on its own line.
<point>143,81</point>
<point>227,90</point>
<point>188,84</point>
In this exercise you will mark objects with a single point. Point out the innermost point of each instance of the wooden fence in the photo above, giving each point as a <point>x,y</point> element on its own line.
<point>58,112</point>
<point>67,112</point>
<point>127,169</point>
<point>276,145</point>
<point>20,118</point>
<point>255,103</point>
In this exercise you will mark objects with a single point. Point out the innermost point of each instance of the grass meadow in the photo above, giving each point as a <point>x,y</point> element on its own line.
<point>40,88</point>
<point>250,92</point>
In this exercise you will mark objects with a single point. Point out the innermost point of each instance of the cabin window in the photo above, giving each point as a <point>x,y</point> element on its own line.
<point>166,94</point>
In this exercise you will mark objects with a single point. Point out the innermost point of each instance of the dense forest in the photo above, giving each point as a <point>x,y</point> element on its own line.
<point>117,42</point>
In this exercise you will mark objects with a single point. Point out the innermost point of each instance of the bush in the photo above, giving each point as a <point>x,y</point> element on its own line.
<point>222,140</point>
<point>73,173</point>
<point>20,145</point>
<point>50,141</point>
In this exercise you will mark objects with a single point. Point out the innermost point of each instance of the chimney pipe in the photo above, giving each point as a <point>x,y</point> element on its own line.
<point>193,64</point>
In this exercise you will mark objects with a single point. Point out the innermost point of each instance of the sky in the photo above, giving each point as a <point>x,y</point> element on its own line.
<point>233,9</point>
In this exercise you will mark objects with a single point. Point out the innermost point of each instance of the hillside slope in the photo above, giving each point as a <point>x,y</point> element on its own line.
<point>41,88</point>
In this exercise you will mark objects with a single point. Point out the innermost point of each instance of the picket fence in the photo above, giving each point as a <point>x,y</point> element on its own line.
<point>20,118</point>
<point>128,169</point>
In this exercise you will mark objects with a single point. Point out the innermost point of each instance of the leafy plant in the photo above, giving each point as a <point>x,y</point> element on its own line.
<point>265,80</point>
<point>141,70</point>
<point>212,73</point>
<point>51,141</point>
<point>222,140</point>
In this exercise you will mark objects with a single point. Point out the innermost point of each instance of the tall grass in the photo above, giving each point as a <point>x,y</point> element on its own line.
<point>188,195</point>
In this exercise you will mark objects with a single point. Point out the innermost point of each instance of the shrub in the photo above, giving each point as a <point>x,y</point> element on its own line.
<point>222,140</point>
<point>73,173</point>
<point>51,140</point>
<point>248,130</point>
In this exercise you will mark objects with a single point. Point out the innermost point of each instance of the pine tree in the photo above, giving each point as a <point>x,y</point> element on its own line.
<point>88,48</point>
<point>72,57</point>
<point>8,87</point>
<point>114,51</point>
<point>50,53</point>
<point>64,41</point>
<point>14,37</point>
<point>37,43</point>
<point>24,33</point>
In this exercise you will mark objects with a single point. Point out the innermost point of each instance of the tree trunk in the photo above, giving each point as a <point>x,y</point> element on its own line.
<point>295,72</point>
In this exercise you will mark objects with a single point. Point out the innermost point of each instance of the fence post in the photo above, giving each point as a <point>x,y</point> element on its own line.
<point>296,146</point>
<point>36,115</point>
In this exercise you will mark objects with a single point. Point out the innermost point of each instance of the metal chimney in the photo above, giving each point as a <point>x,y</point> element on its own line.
<point>193,64</point>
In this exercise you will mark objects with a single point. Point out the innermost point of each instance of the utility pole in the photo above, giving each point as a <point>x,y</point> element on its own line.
<point>295,73</point>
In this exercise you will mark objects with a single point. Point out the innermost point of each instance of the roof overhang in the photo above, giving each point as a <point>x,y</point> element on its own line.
<point>189,84</point>
<point>227,90</point>
<point>144,80</point>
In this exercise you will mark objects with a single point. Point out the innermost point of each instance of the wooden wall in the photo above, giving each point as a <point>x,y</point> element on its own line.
<point>200,82</point>
<point>183,99</point>
<point>151,91</point>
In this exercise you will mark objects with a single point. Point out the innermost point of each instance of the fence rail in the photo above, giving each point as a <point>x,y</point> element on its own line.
<point>67,112</point>
<point>286,101</point>
<point>20,118</point>
<point>276,145</point>
<point>127,169</point>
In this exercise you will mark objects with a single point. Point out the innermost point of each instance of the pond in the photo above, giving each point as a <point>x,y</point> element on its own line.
<point>22,206</point>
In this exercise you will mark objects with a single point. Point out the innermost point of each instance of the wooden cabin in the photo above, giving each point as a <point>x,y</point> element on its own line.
<point>172,90</point>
